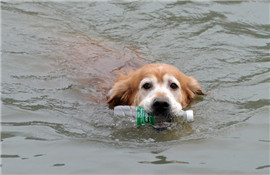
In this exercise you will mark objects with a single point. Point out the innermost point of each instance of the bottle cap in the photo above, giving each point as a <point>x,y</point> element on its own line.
<point>190,116</point>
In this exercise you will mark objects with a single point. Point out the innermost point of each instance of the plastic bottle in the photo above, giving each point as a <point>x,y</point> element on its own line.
<point>143,117</point>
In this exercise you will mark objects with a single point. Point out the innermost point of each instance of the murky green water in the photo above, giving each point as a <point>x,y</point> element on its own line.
<point>51,123</point>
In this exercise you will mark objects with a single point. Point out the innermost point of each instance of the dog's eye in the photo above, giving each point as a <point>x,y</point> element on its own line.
<point>173,86</point>
<point>146,86</point>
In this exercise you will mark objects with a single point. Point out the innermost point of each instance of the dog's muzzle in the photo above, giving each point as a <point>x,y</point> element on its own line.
<point>161,110</point>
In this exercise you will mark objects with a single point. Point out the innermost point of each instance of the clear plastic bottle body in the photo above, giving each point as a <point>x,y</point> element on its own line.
<point>123,111</point>
<point>138,112</point>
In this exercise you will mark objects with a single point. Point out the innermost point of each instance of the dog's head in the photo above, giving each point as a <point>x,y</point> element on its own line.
<point>161,89</point>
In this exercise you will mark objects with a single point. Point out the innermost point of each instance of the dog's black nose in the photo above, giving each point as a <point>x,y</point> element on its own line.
<point>161,105</point>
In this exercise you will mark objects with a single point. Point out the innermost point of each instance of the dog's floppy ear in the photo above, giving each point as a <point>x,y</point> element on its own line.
<point>121,93</point>
<point>194,86</point>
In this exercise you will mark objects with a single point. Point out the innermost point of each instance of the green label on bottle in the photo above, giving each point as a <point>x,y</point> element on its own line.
<point>143,118</point>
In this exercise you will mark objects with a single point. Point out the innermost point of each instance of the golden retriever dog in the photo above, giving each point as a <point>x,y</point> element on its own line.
<point>161,89</point>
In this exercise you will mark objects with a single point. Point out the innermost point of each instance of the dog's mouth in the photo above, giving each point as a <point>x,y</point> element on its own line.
<point>162,121</point>
<point>163,118</point>
<point>162,126</point>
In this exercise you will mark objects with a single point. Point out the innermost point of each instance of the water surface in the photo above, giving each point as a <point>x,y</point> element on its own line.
<point>53,118</point>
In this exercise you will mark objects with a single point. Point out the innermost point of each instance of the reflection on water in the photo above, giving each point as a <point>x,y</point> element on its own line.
<point>262,167</point>
<point>58,57</point>
<point>162,160</point>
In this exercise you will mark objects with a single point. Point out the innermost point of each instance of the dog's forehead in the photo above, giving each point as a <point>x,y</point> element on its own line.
<point>160,73</point>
